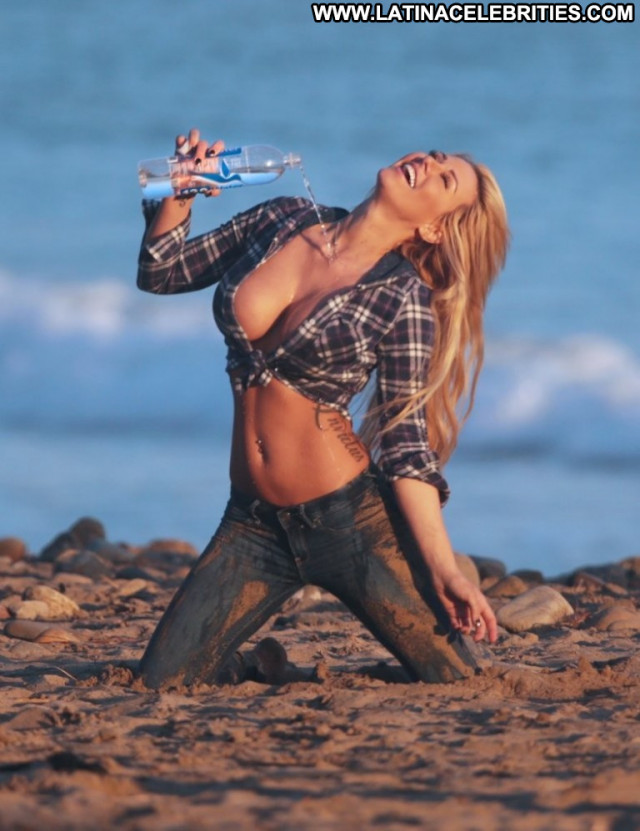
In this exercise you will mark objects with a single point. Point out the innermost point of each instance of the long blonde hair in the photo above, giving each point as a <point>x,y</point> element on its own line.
<point>459,269</point>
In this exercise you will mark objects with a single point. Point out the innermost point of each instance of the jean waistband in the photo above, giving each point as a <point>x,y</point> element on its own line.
<point>314,507</point>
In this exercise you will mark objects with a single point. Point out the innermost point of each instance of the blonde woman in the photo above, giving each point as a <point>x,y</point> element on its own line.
<point>396,288</point>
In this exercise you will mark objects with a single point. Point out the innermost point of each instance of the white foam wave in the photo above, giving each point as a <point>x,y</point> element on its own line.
<point>103,309</point>
<point>536,376</point>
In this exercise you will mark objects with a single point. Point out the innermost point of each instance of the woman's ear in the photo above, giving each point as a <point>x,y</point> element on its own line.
<point>430,233</point>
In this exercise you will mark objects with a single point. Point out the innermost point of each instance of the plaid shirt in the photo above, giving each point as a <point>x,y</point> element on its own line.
<point>383,322</point>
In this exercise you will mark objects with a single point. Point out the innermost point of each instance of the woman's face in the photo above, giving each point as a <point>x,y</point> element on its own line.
<point>420,187</point>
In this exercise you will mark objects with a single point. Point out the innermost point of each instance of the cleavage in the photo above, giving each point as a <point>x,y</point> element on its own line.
<point>273,300</point>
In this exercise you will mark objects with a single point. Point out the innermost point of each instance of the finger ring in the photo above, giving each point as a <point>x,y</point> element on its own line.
<point>478,623</point>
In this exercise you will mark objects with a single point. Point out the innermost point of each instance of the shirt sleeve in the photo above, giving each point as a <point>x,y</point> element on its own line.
<point>403,362</point>
<point>172,264</point>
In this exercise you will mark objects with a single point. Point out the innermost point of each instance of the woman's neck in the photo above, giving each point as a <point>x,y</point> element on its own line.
<point>366,234</point>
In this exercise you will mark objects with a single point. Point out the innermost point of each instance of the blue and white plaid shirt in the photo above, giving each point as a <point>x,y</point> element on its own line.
<point>383,323</point>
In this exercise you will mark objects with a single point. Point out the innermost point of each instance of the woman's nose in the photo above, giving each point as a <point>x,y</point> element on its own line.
<point>431,164</point>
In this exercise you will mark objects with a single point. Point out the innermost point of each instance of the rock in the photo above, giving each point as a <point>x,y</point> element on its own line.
<point>615,619</point>
<point>55,634</point>
<point>487,582</point>
<point>13,549</point>
<point>591,583</point>
<point>632,567</point>
<point>87,563</point>
<point>31,630</point>
<point>488,567</point>
<point>175,546</point>
<point>19,567</point>
<point>71,579</point>
<point>271,661</point>
<point>530,575</point>
<point>60,606</point>
<point>540,606</point>
<point>31,610</point>
<point>136,573</point>
<point>117,554</point>
<point>613,573</point>
<point>132,587</point>
<point>5,614</point>
<point>87,529</point>
<point>58,545</point>
<point>167,555</point>
<point>468,568</point>
<point>509,586</point>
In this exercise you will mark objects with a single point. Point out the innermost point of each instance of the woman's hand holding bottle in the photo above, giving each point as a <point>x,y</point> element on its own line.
<point>199,153</point>
<point>174,210</point>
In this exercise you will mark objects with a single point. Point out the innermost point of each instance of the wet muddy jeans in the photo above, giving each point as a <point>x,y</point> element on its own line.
<point>351,542</point>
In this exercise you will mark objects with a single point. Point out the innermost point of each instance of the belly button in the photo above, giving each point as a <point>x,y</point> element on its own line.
<point>260,446</point>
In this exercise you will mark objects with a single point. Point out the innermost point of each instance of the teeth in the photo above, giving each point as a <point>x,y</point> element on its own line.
<point>410,173</point>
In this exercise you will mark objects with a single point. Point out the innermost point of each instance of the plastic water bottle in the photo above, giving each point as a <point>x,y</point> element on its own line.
<point>178,175</point>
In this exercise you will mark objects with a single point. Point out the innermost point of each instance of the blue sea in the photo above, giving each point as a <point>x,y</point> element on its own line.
<point>114,403</point>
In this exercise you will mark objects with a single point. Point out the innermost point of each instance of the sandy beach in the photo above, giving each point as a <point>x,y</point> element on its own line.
<point>545,736</point>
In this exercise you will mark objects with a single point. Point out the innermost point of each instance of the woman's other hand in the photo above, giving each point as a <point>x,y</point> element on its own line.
<point>464,603</point>
<point>468,609</point>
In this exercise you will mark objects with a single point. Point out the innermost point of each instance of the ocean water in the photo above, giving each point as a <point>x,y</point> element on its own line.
<point>115,403</point>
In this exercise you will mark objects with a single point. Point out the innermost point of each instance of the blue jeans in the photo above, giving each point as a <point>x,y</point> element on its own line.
<point>352,542</point>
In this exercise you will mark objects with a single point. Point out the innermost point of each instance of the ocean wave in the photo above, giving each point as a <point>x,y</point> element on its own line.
<point>102,309</point>
<point>575,398</point>
<point>92,355</point>
<point>541,372</point>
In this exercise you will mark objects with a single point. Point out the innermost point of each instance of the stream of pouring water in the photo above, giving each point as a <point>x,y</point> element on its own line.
<point>329,243</point>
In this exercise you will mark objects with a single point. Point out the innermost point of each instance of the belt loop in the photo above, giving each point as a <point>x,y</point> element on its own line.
<point>310,522</point>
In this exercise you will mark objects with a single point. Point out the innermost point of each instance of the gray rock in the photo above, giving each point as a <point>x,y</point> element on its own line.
<point>612,573</point>
<point>136,573</point>
<point>488,567</point>
<point>540,606</point>
<point>58,545</point>
<point>632,568</point>
<point>113,553</point>
<point>592,584</point>
<point>87,563</point>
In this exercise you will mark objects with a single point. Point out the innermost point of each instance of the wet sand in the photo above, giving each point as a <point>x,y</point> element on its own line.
<point>546,736</point>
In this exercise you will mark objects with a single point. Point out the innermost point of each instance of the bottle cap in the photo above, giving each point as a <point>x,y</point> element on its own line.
<point>292,160</point>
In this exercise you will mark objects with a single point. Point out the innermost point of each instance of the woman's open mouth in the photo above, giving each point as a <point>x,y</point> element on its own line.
<point>409,174</point>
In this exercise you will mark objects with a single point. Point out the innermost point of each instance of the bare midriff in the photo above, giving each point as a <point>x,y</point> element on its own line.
<point>286,448</point>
